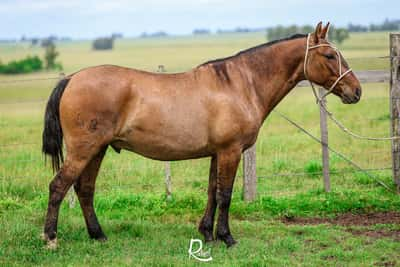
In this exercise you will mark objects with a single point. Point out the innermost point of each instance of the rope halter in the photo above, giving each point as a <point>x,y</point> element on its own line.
<point>339,60</point>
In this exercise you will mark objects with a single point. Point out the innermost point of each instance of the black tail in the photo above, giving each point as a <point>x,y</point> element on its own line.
<point>52,133</point>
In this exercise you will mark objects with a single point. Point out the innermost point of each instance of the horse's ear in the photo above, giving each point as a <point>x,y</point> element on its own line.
<point>324,31</point>
<point>317,32</point>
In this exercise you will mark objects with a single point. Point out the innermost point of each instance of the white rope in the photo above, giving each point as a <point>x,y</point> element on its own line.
<point>322,103</point>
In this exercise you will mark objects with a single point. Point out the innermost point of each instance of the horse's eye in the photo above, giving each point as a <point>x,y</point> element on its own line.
<point>330,56</point>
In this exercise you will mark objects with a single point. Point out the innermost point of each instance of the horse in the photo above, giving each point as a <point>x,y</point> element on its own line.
<point>214,110</point>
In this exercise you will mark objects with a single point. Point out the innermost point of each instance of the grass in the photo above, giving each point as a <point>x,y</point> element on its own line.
<point>145,229</point>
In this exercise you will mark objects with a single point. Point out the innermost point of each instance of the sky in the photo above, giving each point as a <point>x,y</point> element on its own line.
<point>94,18</point>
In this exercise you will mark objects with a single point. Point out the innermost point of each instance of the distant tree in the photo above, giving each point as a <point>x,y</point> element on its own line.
<point>159,34</point>
<point>104,43</point>
<point>279,32</point>
<point>65,39</point>
<point>307,29</point>
<point>387,25</point>
<point>242,29</point>
<point>34,41</point>
<point>338,34</point>
<point>154,34</point>
<point>46,42</point>
<point>201,31</point>
<point>357,28</point>
<point>50,57</point>
<point>117,35</point>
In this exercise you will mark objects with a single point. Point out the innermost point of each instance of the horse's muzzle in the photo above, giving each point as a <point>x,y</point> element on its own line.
<point>352,98</point>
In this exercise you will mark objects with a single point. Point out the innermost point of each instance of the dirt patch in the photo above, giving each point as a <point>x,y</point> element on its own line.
<point>386,262</point>
<point>395,234</point>
<point>349,219</point>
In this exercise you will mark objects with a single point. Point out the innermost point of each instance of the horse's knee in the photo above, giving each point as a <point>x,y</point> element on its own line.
<point>55,194</point>
<point>84,191</point>
<point>53,185</point>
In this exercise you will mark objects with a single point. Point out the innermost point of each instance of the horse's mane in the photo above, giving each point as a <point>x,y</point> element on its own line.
<point>255,48</point>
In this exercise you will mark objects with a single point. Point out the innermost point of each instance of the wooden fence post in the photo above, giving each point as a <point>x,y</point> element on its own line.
<point>168,184</point>
<point>70,194</point>
<point>395,103</point>
<point>324,138</point>
<point>249,174</point>
<point>167,166</point>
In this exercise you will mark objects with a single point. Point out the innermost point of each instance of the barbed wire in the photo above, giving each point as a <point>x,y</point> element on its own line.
<point>18,144</point>
<point>333,172</point>
<point>23,102</point>
<point>205,177</point>
<point>316,139</point>
<point>29,80</point>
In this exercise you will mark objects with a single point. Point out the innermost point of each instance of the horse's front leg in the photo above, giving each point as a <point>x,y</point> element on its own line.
<point>206,225</point>
<point>227,163</point>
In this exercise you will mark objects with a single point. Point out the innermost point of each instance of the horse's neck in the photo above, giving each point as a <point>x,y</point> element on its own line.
<point>275,71</point>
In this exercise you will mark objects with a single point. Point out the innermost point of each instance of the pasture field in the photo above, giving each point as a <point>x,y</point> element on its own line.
<point>145,229</point>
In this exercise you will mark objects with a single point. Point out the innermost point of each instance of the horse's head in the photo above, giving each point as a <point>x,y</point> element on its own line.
<point>325,66</point>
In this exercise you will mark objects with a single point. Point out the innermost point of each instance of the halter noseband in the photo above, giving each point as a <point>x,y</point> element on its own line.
<point>339,59</point>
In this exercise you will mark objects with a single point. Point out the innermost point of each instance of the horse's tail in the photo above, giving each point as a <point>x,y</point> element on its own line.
<point>52,136</point>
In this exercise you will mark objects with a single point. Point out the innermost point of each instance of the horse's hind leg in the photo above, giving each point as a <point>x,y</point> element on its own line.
<point>69,173</point>
<point>84,188</point>
<point>207,222</point>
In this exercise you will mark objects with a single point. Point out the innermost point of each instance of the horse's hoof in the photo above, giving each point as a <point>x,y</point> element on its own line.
<point>208,236</point>
<point>52,244</point>
<point>209,240</point>
<point>101,238</point>
<point>228,240</point>
<point>98,236</point>
<point>231,244</point>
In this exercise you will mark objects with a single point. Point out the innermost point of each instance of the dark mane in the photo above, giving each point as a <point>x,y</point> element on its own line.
<point>255,48</point>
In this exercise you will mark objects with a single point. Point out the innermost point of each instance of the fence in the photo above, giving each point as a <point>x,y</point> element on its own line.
<point>249,157</point>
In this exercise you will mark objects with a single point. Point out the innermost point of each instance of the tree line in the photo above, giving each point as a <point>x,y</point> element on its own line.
<point>386,25</point>
<point>335,34</point>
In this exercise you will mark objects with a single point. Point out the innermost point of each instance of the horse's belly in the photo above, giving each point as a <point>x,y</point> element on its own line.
<point>165,145</point>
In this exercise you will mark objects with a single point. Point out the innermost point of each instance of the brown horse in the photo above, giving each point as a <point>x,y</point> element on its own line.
<point>214,110</point>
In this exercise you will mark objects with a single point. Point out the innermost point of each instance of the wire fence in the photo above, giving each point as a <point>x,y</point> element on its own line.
<point>29,80</point>
<point>354,167</point>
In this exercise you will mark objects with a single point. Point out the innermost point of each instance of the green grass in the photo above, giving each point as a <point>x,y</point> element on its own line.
<point>145,229</point>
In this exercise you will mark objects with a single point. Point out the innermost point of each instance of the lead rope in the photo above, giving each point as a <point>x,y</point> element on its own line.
<point>319,98</point>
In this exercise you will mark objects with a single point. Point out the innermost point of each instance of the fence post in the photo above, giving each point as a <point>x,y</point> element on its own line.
<point>249,174</point>
<point>395,104</point>
<point>70,194</point>
<point>168,184</point>
<point>167,166</point>
<point>324,138</point>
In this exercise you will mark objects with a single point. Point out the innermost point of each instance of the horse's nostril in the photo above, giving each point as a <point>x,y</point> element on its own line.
<point>358,92</point>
